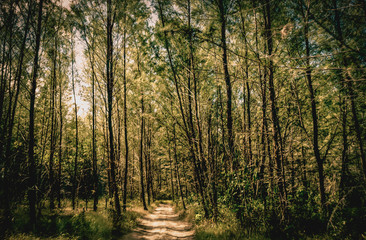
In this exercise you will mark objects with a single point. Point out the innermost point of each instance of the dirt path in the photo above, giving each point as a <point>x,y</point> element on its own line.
<point>163,223</point>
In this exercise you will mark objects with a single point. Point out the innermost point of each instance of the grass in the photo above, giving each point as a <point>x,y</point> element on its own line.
<point>24,236</point>
<point>80,224</point>
<point>225,228</point>
<point>77,224</point>
<point>208,229</point>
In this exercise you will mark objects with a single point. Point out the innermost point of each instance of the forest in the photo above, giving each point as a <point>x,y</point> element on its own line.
<point>244,119</point>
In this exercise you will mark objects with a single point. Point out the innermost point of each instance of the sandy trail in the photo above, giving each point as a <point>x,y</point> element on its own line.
<point>163,223</point>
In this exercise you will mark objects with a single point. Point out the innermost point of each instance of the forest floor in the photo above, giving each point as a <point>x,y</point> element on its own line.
<point>163,223</point>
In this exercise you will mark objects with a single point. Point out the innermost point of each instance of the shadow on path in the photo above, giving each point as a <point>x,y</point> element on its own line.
<point>163,223</point>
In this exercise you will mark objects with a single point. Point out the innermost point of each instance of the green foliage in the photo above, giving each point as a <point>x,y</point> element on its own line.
<point>348,215</point>
<point>226,226</point>
<point>24,236</point>
<point>164,194</point>
<point>124,223</point>
<point>305,214</point>
<point>89,226</point>
<point>83,225</point>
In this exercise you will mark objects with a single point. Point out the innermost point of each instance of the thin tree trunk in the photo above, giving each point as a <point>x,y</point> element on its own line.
<point>263,84</point>
<point>146,152</point>
<point>133,173</point>
<point>246,83</point>
<point>74,178</point>
<point>7,192</point>
<point>197,169</point>
<point>150,176</point>
<point>118,129</point>
<point>95,163</point>
<point>53,127</point>
<point>223,135</point>
<point>141,154</point>
<point>60,145</point>
<point>344,170</point>
<point>213,168</point>
<point>177,167</point>
<point>125,118</point>
<point>305,180</point>
<point>234,163</point>
<point>32,165</point>
<point>192,75</point>
<point>110,85</point>
<point>229,123</point>
<point>5,70</point>
<point>276,126</point>
<point>314,114</point>
<point>170,164</point>
<point>350,90</point>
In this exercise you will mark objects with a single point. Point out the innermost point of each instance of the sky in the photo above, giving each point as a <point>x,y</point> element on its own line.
<point>84,106</point>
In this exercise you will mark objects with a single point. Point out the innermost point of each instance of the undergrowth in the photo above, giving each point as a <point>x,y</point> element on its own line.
<point>263,223</point>
<point>225,228</point>
<point>78,225</point>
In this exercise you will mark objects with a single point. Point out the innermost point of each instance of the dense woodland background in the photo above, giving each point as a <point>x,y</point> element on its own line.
<point>243,107</point>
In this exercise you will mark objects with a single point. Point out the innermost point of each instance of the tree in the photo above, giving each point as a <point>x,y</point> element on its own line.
<point>74,178</point>
<point>110,85</point>
<point>318,158</point>
<point>31,161</point>
<point>141,154</point>
<point>223,8</point>
<point>125,113</point>
<point>278,148</point>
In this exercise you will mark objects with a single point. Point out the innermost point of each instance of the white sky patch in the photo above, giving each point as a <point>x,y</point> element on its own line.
<point>80,60</point>
<point>154,17</point>
<point>84,107</point>
<point>66,3</point>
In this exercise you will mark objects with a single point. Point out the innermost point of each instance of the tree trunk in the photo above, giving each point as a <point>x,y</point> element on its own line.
<point>125,118</point>
<point>229,123</point>
<point>95,163</point>
<point>7,191</point>
<point>233,161</point>
<point>177,167</point>
<point>141,154</point>
<point>53,127</point>
<point>192,75</point>
<point>352,94</point>
<point>246,83</point>
<point>31,161</point>
<point>314,115</point>
<point>344,170</point>
<point>197,169</point>
<point>213,168</point>
<point>6,71</point>
<point>146,155</point>
<point>110,85</point>
<point>74,178</point>
<point>170,164</point>
<point>276,126</point>
<point>60,145</point>
<point>150,176</point>
<point>264,127</point>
